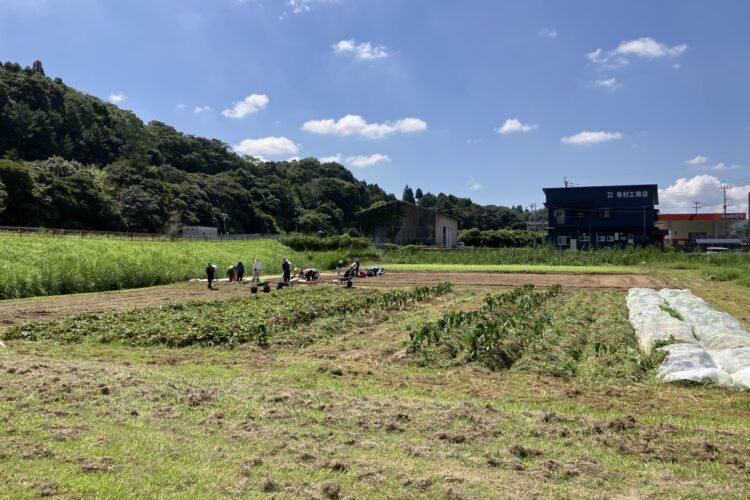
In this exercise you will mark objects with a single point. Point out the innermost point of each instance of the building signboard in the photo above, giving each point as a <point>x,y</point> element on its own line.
<point>627,194</point>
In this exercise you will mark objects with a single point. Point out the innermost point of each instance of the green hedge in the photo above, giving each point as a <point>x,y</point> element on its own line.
<point>498,238</point>
<point>317,244</point>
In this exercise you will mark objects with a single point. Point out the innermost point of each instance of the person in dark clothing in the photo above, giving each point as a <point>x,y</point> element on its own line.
<point>210,274</point>
<point>354,268</point>
<point>286,266</point>
<point>240,267</point>
<point>310,274</point>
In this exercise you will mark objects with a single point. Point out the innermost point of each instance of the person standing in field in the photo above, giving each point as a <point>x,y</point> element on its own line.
<point>256,271</point>
<point>286,266</point>
<point>210,274</point>
<point>231,273</point>
<point>339,265</point>
<point>240,267</point>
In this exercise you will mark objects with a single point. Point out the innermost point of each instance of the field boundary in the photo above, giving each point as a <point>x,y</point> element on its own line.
<point>515,268</point>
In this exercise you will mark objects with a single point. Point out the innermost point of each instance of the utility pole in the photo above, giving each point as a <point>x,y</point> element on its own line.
<point>533,220</point>
<point>725,187</point>
<point>565,179</point>
<point>697,204</point>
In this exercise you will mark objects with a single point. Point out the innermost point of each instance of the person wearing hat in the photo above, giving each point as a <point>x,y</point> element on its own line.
<point>339,265</point>
<point>256,271</point>
<point>210,274</point>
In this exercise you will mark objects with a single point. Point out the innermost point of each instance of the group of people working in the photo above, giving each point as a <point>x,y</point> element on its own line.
<point>236,272</point>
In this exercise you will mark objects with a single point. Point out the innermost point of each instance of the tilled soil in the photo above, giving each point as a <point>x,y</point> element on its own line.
<point>61,306</point>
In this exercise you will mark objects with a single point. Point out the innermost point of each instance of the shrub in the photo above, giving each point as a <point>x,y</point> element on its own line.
<point>314,243</point>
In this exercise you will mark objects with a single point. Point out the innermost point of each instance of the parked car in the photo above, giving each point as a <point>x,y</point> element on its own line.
<point>716,250</point>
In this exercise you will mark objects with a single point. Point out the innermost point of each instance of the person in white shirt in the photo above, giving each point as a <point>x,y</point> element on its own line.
<point>256,271</point>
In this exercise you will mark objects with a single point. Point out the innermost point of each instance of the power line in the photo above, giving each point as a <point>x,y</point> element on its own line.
<point>725,187</point>
<point>697,204</point>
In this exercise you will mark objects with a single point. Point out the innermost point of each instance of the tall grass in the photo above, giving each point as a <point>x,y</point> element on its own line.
<point>719,267</point>
<point>44,265</point>
<point>553,256</point>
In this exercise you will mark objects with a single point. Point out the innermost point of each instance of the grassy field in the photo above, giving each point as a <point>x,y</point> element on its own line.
<point>43,265</point>
<point>515,268</point>
<point>344,408</point>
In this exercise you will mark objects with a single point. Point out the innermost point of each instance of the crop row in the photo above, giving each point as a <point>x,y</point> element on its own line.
<point>495,334</point>
<point>230,322</point>
<point>431,332</point>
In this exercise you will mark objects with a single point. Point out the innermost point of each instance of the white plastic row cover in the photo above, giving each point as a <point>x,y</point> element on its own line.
<point>708,345</point>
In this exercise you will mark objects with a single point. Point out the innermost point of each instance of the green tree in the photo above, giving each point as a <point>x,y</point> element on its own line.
<point>418,195</point>
<point>20,200</point>
<point>408,195</point>
<point>36,67</point>
<point>3,196</point>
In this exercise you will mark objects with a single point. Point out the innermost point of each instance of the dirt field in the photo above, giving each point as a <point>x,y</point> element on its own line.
<point>351,416</point>
<point>15,311</point>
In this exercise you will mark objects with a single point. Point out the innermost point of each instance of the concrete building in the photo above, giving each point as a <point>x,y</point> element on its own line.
<point>403,223</point>
<point>199,233</point>
<point>602,216</point>
<point>686,229</point>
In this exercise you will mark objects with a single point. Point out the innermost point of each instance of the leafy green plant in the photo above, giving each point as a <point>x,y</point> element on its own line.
<point>257,318</point>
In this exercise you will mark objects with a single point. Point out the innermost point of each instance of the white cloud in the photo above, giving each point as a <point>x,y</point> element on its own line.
<point>648,48</point>
<point>117,98</point>
<point>356,125</point>
<point>698,160</point>
<point>550,32</point>
<point>366,161</point>
<point>643,48</point>
<point>720,167</point>
<point>513,125</point>
<point>702,162</point>
<point>304,6</point>
<point>248,105</point>
<point>584,138</point>
<point>705,188</point>
<point>609,83</point>
<point>473,184</point>
<point>202,109</point>
<point>330,159</point>
<point>180,107</point>
<point>272,146</point>
<point>293,158</point>
<point>364,51</point>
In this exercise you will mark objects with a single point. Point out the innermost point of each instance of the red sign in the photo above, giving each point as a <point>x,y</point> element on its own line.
<point>720,216</point>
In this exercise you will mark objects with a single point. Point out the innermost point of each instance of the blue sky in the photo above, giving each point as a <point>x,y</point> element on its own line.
<point>488,99</point>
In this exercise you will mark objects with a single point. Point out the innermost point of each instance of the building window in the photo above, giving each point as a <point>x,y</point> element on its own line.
<point>563,240</point>
<point>600,239</point>
<point>584,239</point>
<point>605,213</point>
<point>560,216</point>
<point>610,238</point>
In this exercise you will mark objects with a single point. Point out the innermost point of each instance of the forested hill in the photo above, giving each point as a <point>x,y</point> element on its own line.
<point>71,160</point>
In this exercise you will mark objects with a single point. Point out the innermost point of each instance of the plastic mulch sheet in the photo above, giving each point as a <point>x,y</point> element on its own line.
<point>707,345</point>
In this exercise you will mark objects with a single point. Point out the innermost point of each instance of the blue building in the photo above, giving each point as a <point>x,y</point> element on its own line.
<point>602,216</point>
